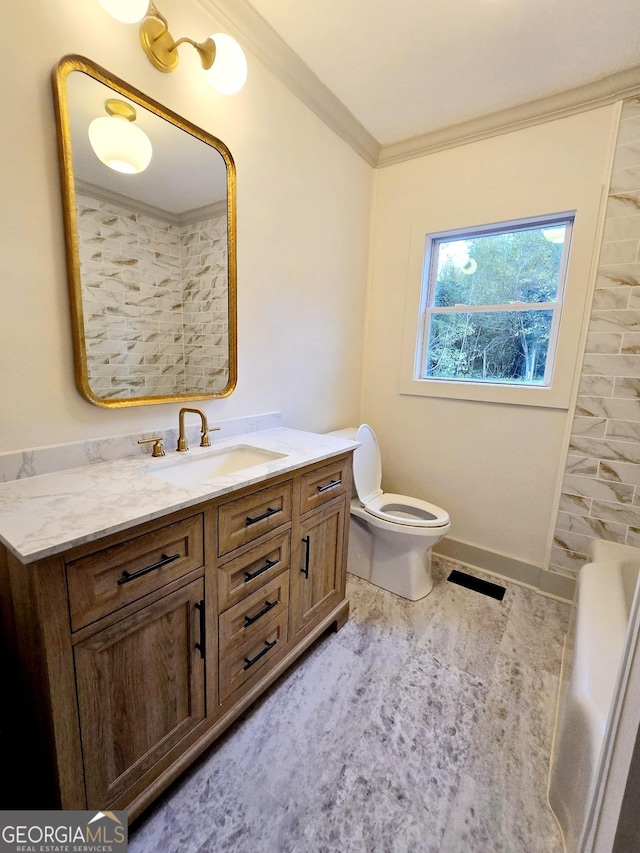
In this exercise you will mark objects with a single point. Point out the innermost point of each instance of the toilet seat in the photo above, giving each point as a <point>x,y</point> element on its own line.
<point>397,509</point>
<point>402,509</point>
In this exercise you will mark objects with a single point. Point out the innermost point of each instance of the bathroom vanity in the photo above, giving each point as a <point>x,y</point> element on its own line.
<point>143,617</point>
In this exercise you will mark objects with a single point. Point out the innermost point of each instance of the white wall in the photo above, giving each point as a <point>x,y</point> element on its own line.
<point>303,232</point>
<point>493,466</point>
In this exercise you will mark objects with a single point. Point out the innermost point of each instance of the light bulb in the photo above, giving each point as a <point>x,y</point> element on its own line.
<point>126,11</point>
<point>228,73</point>
<point>119,144</point>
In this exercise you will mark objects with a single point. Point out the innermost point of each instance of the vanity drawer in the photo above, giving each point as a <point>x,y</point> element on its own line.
<point>252,656</point>
<point>323,484</point>
<point>245,621</point>
<point>245,519</point>
<point>106,580</point>
<point>244,575</point>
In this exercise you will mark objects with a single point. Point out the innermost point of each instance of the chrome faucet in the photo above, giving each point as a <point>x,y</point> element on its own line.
<point>204,437</point>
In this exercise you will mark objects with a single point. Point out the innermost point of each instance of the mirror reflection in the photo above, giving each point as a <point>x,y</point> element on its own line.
<point>150,229</point>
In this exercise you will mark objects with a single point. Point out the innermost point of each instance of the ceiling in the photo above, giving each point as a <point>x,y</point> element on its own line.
<point>405,68</point>
<point>184,175</point>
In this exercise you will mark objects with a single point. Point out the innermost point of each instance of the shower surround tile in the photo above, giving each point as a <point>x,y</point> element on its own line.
<point>168,299</point>
<point>392,735</point>
<point>606,428</point>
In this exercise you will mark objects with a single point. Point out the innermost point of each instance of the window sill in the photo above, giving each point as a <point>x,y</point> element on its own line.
<point>552,397</point>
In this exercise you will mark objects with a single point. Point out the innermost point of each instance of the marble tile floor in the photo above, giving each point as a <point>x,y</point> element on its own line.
<point>421,726</point>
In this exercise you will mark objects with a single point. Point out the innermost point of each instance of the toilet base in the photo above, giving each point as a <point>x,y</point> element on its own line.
<point>406,572</point>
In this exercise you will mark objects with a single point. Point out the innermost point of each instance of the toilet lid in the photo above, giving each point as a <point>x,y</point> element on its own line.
<point>367,467</point>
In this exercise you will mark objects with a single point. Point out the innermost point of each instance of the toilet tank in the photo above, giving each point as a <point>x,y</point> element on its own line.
<point>349,433</point>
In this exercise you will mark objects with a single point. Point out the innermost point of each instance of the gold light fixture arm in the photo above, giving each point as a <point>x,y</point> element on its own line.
<point>206,50</point>
<point>161,48</point>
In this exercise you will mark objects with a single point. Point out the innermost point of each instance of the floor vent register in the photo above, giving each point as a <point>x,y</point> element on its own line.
<point>493,590</point>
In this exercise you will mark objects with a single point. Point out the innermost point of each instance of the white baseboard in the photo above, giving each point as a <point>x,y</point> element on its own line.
<point>543,581</point>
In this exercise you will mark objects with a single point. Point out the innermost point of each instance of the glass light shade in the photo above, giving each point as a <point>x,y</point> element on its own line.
<point>120,145</point>
<point>228,73</point>
<point>127,11</point>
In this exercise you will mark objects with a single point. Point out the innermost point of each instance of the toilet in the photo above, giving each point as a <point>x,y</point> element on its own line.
<point>391,536</point>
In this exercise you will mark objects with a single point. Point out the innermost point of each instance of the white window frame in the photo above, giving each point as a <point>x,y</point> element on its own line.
<point>580,262</point>
<point>429,310</point>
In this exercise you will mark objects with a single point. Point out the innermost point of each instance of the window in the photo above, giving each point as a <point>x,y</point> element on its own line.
<point>491,303</point>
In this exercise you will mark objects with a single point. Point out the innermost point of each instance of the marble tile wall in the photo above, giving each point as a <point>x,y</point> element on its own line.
<point>142,338</point>
<point>601,488</point>
<point>203,247</point>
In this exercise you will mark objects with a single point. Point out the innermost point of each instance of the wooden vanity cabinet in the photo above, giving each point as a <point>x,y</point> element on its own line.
<point>141,690</point>
<point>319,555</point>
<point>254,547</point>
<point>130,655</point>
<point>317,566</point>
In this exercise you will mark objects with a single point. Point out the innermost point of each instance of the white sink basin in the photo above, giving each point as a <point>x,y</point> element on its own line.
<point>189,470</point>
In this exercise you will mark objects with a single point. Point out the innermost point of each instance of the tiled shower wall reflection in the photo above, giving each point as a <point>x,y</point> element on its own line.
<point>601,490</point>
<point>155,300</point>
<point>205,307</point>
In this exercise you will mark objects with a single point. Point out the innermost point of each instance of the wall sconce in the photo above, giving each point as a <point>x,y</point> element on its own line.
<point>221,56</point>
<point>117,142</point>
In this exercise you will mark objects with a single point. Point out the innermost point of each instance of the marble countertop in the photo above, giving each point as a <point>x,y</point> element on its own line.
<point>45,515</point>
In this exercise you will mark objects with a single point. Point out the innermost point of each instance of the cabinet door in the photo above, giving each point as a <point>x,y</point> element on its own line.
<point>140,690</point>
<point>317,569</point>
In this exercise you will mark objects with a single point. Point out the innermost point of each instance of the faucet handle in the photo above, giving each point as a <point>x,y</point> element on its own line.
<point>204,441</point>
<point>158,447</point>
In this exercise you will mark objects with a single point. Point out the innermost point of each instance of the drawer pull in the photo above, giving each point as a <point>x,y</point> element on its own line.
<point>268,605</point>
<point>307,543</point>
<point>202,645</point>
<point>126,576</point>
<point>250,661</point>
<point>268,565</point>
<point>270,511</point>
<point>330,485</point>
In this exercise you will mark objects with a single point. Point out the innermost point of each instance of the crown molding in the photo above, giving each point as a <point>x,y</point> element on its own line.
<point>208,211</point>
<point>606,90</point>
<point>243,22</point>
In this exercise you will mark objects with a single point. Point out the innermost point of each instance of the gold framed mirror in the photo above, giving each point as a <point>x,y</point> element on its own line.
<point>151,250</point>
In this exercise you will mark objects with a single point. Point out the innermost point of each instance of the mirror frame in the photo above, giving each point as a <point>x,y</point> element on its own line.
<point>67,65</point>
